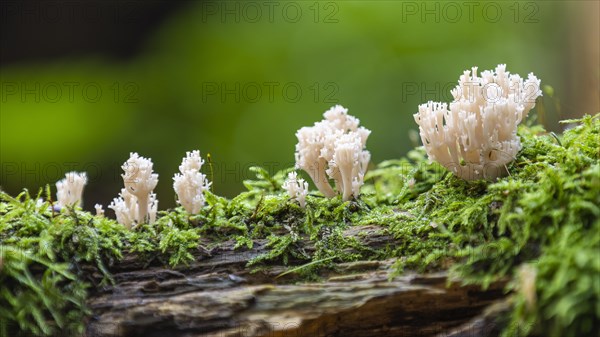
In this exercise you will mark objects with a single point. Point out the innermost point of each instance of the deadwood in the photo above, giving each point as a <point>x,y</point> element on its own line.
<point>218,295</point>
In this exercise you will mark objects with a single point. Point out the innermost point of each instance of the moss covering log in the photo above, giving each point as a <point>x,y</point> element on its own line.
<point>521,254</point>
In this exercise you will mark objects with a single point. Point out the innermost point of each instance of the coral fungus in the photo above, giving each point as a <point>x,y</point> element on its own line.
<point>477,135</point>
<point>334,148</point>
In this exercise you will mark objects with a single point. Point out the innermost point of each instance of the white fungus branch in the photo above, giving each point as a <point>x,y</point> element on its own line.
<point>69,190</point>
<point>477,135</point>
<point>99,210</point>
<point>296,188</point>
<point>125,207</point>
<point>334,148</point>
<point>190,183</point>
<point>137,204</point>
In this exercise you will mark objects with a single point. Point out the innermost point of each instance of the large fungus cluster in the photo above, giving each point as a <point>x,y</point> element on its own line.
<point>476,135</point>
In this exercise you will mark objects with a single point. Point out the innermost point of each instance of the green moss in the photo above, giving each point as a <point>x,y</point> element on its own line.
<point>544,215</point>
<point>38,296</point>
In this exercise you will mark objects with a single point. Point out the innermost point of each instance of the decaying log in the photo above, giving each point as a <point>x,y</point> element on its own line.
<point>218,296</point>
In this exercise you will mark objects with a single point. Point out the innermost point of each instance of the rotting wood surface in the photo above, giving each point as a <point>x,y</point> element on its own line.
<point>218,296</point>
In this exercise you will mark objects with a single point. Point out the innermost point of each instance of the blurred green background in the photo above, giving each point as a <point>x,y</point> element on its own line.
<point>237,79</point>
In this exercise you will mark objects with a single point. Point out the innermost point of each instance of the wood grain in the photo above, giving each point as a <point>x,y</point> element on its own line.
<point>218,296</point>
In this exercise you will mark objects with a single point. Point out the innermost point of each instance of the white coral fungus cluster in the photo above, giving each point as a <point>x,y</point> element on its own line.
<point>190,183</point>
<point>477,135</point>
<point>334,148</point>
<point>296,188</point>
<point>136,203</point>
<point>125,207</point>
<point>128,212</point>
<point>69,190</point>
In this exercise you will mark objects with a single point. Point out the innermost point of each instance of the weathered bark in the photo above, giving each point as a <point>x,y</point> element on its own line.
<point>218,296</point>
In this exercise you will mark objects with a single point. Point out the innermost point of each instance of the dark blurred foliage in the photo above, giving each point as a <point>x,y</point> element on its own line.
<point>43,30</point>
<point>84,83</point>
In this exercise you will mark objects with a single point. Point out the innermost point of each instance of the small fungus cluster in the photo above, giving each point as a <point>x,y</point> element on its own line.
<point>190,183</point>
<point>334,148</point>
<point>297,188</point>
<point>137,202</point>
<point>70,189</point>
